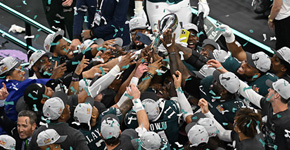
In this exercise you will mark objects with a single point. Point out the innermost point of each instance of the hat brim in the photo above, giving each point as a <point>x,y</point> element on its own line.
<point>189,126</point>
<point>140,27</point>
<point>198,74</point>
<point>269,83</point>
<point>61,139</point>
<point>149,95</point>
<point>48,54</point>
<point>210,42</point>
<point>99,41</point>
<point>216,75</point>
<point>111,116</point>
<point>250,60</point>
<point>278,54</point>
<point>61,95</point>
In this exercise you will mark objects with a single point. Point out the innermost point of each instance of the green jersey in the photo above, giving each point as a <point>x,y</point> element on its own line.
<point>224,112</point>
<point>166,124</point>
<point>93,136</point>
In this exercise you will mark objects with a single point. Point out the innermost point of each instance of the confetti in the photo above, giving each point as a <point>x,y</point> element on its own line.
<point>225,124</point>
<point>103,73</point>
<point>251,31</point>
<point>248,125</point>
<point>245,44</point>
<point>85,19</point>
<point>183,111</point>
<point>84,51</point>
<point>278,116</point>
<point>126,67</point>
<point>46,73</point>
<point>217,131</point>
<point>35,17</point>
<point>73,90</point>
<point>34,98</point>
<point>180,90</point>
<point>34,107</point>
<point>28,11</point>
<point>170,3</point>
<point>166,60</point>
<point>145,78</point>
<point>216,97</point>
<point>234,110</point>
<point>76,62</point>
<point>212,92</point>
<point>53,44</point>
<point>43,95</point>
<point>88,93</point>
<point>48,2</point>
<point>36,37</point>
<point>86,82</point>
<point>269,98</point>
<point>66,50</point>
<point>2,77</point>
<point>272,38</point>
<point>265,38</point>
<point>158,72</point>
<point>200,33</point>
<point>9,103</point>
<point>143,60</point>
<point>262,142</point>
<point>188,79</point>
<point>219,29</point>
<point>24,2</point>
<point>56,21</point>
<point>28,37</point>
<point>255,76</point>
<point>194,118</point>
<point>101,48</point>
<point>219,67</point>
<point>247,88</point>
<point>130,97</point>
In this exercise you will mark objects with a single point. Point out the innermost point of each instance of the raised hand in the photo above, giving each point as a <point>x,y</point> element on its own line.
<point>177,77</point>
<point>203,104</point>
<point>133,91</point>
<point>83,64</point>
<point>3,92</point>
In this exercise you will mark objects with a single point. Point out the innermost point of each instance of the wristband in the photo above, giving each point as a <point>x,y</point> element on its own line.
<point>137,105</point>
<point>75,77</point>
<point>150,75</point>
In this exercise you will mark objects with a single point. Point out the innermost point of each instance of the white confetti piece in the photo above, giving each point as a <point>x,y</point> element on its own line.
<point>28,37</point>
<point>273,38</point>
<point>265,38</point>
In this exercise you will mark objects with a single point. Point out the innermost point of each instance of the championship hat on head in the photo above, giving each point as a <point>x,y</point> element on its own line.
<point>137,23</point>
<point>85,45</point>
<point>7,64</point>
<point>281,86</point>
<point>209,125</point>
<point>283,54</point>
<point>259,60</point>
<point>51,38</point>
<point>228,80</point>
<point>49,136</point>
<point>190,26</point>
<point>148,141</point>
<point>34,93</point>
<point>7,142</point>
<point>83,113</point>
<point>110,126</point>
<point>196,134</point>
<point>53,107</point>
<point>212,43</point>
<point>204,71</point>
<point>36,56</point>
<point>151,105</point>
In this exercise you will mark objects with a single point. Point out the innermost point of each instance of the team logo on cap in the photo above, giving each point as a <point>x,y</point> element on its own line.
<point>2,143</point>
<point>3,68</point>
<point>46,46</point>
<point>47,140</point>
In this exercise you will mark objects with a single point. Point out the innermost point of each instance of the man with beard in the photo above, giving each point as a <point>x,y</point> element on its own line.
<point>136,25</point>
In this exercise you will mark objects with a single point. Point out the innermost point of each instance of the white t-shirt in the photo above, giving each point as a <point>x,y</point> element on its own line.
<point>284,11</point>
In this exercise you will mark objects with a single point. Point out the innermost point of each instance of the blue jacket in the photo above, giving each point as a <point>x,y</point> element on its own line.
<point>112,25</point>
